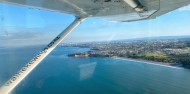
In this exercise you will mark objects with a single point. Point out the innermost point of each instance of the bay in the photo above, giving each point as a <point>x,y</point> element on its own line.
<point>60,74</point>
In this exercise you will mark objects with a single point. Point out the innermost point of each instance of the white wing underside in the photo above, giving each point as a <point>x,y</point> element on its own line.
<point>117,10</point>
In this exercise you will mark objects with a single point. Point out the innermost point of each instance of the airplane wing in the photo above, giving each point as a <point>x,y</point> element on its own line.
<point>117,10</point>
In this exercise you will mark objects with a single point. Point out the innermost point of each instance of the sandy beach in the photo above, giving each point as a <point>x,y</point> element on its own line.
<point>151,62</point>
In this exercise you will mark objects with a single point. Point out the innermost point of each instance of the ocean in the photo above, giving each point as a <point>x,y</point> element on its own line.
<point>60,74</point>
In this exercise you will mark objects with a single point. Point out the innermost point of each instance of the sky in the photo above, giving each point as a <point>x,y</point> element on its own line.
<point>20,26</point>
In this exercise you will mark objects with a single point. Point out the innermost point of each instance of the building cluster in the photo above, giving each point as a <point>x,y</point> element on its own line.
<point>127,48</point>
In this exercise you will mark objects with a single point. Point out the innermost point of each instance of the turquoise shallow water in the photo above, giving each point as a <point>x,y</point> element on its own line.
<point>59,74</point>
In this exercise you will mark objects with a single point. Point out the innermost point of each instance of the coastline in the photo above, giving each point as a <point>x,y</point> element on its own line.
<point>150,62</point>
<point>164,64</point>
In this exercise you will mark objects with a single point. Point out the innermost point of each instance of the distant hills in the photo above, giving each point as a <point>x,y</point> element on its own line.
<point>185,37</point>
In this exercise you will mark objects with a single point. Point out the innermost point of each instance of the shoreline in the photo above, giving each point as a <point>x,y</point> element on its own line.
<point>150,62</point>
<point>164,64</point>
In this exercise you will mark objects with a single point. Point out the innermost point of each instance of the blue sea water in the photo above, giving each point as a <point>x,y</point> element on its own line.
<point>60,74</point>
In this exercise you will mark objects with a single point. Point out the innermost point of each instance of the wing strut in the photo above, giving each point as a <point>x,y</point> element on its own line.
<point>20,75</point>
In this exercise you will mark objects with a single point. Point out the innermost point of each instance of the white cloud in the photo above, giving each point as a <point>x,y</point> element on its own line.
<point>19,39</point>
<point>185,8</point>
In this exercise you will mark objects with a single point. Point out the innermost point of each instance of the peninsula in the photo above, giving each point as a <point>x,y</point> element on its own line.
<point>168,51</point>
